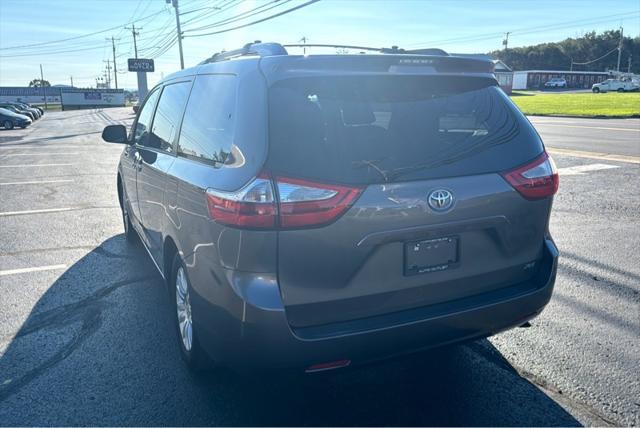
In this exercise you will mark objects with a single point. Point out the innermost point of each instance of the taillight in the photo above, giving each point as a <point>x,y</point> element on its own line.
<point>299,203</point>
<point>536,180</point>
<point>305,203</point>
<point>253,206</point>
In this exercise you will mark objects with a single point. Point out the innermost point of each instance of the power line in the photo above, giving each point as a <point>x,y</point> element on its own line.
<point>597,59</point>
<point>241,16</point>
<point>530,30</point>
<point>53,52</point>
<point>82,35</point>
<point>223,7</point>
<point>309,3</point>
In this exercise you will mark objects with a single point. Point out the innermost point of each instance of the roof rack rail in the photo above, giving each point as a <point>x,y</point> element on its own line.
<point>256,48</point>
<point>391,50</point>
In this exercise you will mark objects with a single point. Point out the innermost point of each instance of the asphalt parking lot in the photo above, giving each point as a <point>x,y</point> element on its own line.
<point>86,339</point>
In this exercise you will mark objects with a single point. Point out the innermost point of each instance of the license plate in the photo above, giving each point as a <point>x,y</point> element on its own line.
<point>431,255</point>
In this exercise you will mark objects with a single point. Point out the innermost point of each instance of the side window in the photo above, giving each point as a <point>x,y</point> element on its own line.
<point>143,124</point>
<point>168,115</point>
<point>208,128</point>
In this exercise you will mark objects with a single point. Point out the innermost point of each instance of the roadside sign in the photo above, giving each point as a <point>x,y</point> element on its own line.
<point>141,65</point>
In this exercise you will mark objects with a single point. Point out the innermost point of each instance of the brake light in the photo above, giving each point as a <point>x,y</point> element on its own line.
<point>536,180</point>
<point>299,203</point>
<point>253,206</point>
<point>304,203</point>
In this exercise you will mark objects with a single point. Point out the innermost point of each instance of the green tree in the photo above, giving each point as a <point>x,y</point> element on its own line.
<point>591,52</point>
<point>38,83</point>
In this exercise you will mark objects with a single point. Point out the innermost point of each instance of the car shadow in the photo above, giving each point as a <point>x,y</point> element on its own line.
<point>97,348</point>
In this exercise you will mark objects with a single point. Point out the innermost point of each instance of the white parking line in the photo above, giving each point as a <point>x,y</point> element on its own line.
<point>17,183</point>
<point>40,154</point>
<point>64,146</point>
<point>582,169</point>
<point>32,269</point>
<point>49,210</point>
<point>590,127</point>
<point>32,165</point>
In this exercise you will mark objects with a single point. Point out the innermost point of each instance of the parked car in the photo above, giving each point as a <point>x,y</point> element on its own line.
<point>10,119</point>
<point>27,107</point>
<point>18,110</point>
<point>614,85</point>
<point>556,82</point>
<point>322,211</point>
<point>40,109</point>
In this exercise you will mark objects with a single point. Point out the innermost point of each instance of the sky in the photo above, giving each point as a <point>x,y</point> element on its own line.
<point>460,26</point>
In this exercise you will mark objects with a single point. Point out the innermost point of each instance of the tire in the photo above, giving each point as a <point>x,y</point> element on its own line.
<point>596,90</point>
<point>23,126</point>
<point>129,233</point>
<point>620,90</point>
<point>186,331</point>
<point>8,124</point>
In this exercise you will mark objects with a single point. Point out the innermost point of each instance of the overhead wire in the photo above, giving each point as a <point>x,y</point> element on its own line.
<point>293,9</point>
<point>240,17</point>
<point>80,36</point>
<point>528,30</point>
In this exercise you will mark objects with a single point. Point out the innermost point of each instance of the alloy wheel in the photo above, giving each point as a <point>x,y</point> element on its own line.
<point>183,307</point>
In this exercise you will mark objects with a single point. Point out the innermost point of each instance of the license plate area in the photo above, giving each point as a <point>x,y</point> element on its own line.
<point>431,255</point>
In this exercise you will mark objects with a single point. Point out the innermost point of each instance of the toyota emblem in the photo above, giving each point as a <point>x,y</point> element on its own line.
<point>440,200</point>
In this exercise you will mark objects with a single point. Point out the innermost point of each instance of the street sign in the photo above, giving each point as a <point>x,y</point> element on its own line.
<point>141,64</point>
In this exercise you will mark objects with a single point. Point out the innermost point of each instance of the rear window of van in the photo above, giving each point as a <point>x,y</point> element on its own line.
<point>372,129</point>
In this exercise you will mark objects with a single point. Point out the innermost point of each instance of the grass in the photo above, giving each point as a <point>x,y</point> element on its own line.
<point>611,104</point>
<point>50,107</point>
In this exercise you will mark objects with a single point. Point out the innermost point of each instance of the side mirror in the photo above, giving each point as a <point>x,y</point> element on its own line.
<point>115,134</point>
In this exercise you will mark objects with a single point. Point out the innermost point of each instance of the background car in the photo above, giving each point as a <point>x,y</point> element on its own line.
<point>614,85</point>
<point>556,82</point>
<point>27,107</point>
<point>19,110</point>
<point>10,119</point>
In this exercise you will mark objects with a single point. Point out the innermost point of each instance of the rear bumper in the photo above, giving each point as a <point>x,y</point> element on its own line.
<point>261,338</point>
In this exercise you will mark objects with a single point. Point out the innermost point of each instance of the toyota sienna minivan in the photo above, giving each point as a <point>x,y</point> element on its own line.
<point>319,211</point>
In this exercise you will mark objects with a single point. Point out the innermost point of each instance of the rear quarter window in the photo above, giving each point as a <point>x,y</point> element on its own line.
<point>208,126</point>
<point>363,130</point>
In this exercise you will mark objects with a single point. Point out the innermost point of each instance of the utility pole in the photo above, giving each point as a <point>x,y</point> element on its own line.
<point>44,88</point>
<point>141,76</point>
<point>115,68</point>
<point>71,77</point>
<point>505,42</point>
<point>175,6</point>
<point>629,65</point>
<point>107,77</point>
<point>304,48</point>
<point>620,47</point>
<point>135,33</point>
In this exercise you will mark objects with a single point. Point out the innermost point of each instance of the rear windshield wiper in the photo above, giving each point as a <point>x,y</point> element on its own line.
<point>373,164</point>
<point>444,160</point>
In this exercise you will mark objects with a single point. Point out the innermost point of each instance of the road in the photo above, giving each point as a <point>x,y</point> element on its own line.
<point>86,335</point>
<point>608,136</point>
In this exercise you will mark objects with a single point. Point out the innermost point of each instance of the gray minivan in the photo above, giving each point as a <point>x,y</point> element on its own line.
<point>317,211</point>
